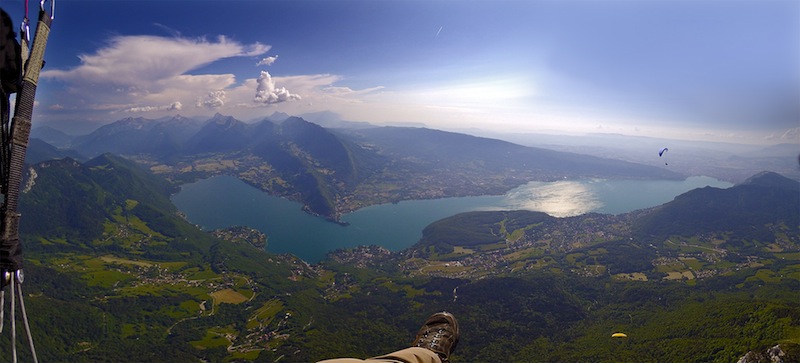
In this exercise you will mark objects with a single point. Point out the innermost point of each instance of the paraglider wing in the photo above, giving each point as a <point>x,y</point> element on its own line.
<point>619,335</point>
<point>661,153</point>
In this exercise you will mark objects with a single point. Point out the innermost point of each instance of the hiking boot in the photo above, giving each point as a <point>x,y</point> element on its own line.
<point>439,334</point>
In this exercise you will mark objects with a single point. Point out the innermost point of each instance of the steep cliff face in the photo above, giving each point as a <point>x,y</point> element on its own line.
<point>781,353</point>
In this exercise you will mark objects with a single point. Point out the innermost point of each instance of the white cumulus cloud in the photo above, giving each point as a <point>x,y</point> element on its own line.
<point>268,93</point>
<point>140,60</point>
<point>175,106</point>
<point>152,70</point>
<point>267,61</point>
<point>163,74</point>
<point>213,100</point>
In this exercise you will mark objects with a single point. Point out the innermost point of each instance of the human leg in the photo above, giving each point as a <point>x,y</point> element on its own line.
<point>434,343</point>
<point>408,355</point>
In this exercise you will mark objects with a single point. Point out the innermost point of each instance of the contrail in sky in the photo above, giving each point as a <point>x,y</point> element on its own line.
<point>437,32</point>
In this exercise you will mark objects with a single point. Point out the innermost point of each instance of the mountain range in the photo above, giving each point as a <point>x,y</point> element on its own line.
<point>336,171</point>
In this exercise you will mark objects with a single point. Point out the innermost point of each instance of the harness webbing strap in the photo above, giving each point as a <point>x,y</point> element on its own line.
<point>10,248</point>
<point>24,42</point>
<point>5,130</point>
<point>14,137</point>
<point>36,59</point>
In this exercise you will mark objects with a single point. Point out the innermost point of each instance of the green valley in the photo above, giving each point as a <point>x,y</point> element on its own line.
<point>132,281</point>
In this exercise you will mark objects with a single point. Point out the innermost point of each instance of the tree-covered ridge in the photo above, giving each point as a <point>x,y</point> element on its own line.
<point>702,233</point>
<point>121,277</point>
<point>148,286</point>
<point>106,204</point>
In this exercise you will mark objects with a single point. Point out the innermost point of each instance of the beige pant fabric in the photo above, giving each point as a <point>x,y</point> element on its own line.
<point>408,355</point>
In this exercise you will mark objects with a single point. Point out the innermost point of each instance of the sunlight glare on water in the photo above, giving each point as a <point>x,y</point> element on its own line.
<point>558,199</point>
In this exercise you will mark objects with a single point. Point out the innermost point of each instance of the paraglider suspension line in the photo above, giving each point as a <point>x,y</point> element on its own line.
<point>14,281</point>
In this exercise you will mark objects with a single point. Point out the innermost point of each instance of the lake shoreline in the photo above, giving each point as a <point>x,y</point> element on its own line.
<point>225,201</point>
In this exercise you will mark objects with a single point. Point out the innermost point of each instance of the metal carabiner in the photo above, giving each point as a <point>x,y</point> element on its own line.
<point>25,28</point>
<point>52,8</point>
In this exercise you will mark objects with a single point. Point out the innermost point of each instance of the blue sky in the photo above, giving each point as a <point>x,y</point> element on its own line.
<point>715,70</point>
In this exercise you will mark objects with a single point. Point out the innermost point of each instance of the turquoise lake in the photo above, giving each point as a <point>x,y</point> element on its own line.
<point>226,201</point>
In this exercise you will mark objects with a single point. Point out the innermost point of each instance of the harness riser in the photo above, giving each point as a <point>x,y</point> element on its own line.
<point>14,138</point>
<point>10,248</point>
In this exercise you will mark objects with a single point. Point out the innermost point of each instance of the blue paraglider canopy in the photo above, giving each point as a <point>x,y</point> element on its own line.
<point>661,153</point>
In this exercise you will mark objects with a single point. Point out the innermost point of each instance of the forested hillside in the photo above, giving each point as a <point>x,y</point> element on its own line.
<point>115,275</point>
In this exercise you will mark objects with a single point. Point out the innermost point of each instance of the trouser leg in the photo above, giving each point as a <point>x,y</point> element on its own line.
<point>408,355</point>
